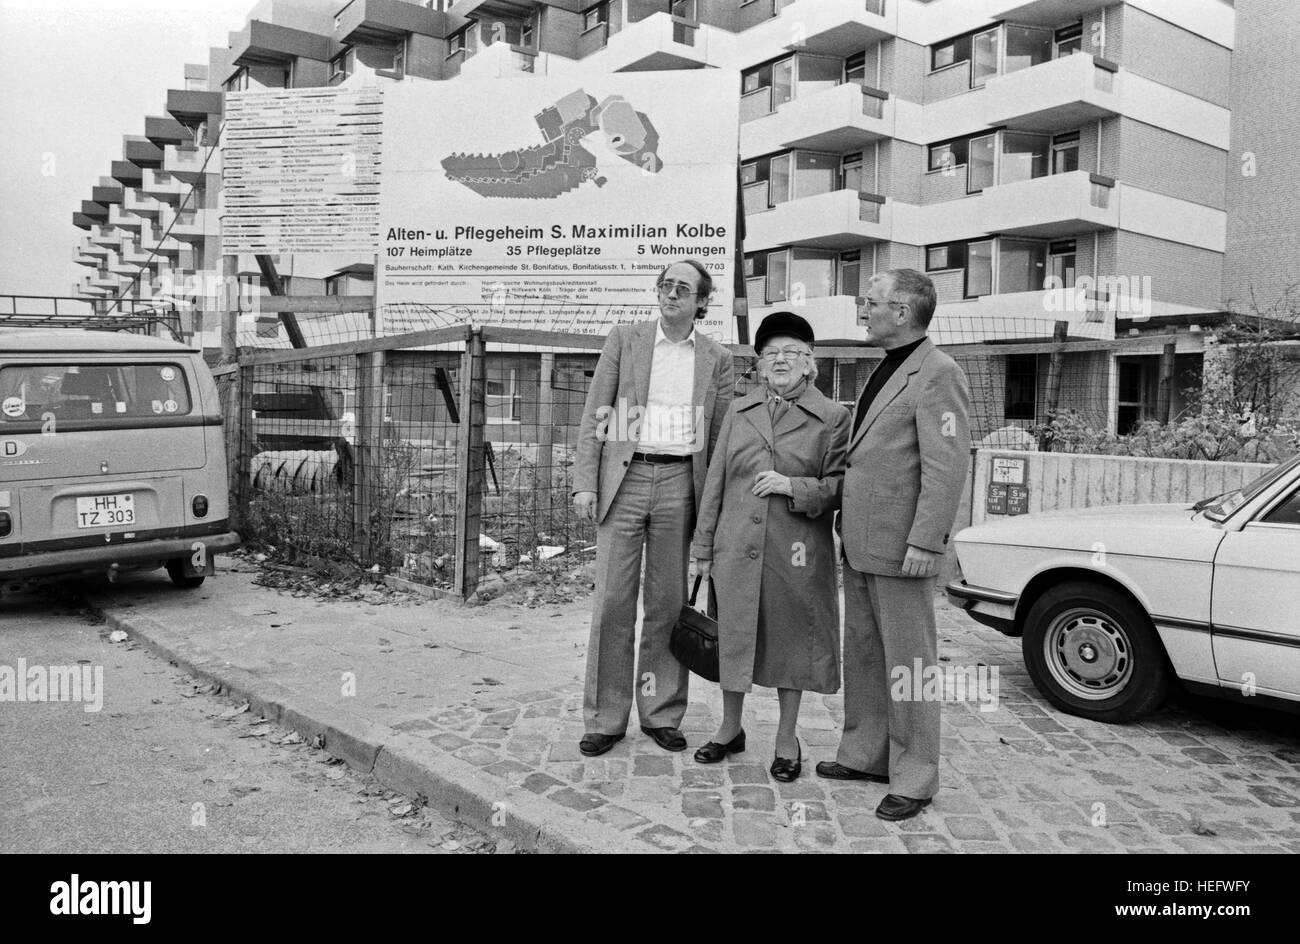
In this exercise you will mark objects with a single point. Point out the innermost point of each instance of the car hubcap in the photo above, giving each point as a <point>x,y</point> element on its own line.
<point>1088,654</point>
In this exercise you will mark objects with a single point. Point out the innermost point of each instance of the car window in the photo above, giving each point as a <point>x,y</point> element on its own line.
<point>101,391</point>
<point>1221,506</point>
<point>1286,513</point>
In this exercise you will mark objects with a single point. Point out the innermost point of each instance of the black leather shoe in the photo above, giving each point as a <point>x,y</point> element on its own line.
<point>895,807</point>
<point>832,770</point>
<point>713,752</point>
<point>593,745</point>
<point>786,770</point>
<point>670,739</point>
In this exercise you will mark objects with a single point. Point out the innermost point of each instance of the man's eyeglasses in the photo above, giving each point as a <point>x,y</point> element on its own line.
<point>675,289</point>
<point>789,353</point>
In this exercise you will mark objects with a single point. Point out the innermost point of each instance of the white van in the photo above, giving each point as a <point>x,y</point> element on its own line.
<point>111,457</point>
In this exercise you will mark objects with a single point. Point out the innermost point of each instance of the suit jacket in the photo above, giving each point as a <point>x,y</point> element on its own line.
<point>907,464</point>
<point>617,398</point>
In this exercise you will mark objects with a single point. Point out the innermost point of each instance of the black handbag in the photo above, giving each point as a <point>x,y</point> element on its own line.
<point>694,639</point>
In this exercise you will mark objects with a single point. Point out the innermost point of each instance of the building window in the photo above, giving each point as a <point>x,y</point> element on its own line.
<point>1065,153</point>
<point>502,396</point>
<point>399,57</point>
<point>765,88</point>
<point>1023,157</point>
<point>1027,46</point>
<point>947,256</point>
<point>851,273</point>
<point>1022,265</point>
<point>1069,39</point>
<point>950,53</point>
<point>979,269</point>
<point>766,182</point>
<point>985,53</point>
<point>855,68</point>
<point>458,42</point>
<point>981,163</point>
<point>947,155</point>
<point>593,17</point>
<point>851,173</point>
<point>1061,263</point>
<point>1138,377</point>
<point>342,65</point>
<point>1020,401</point>
<point>237,82</point>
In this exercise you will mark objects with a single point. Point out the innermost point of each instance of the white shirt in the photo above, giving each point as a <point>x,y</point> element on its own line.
<point>668,424</point>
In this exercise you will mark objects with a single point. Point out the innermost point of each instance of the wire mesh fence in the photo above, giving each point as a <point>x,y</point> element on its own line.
<point>445,456</point>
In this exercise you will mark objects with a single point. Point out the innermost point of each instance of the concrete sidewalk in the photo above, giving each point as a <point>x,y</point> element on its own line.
<point>479,710</point>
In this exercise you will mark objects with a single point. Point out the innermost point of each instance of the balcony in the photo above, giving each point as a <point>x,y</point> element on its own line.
<point>120,266</point>
<point>105,236</point>
<point>82,221</point>
<point>1051,207</point>
<point>189,226</point>
<point>134,253</point>
<point>833,318</point>
<point>86,255</point>
<point>95,211</point>
<point>164,131</point>
<point>152,242</point>
<point>142,153</point>
<point>122,219</point>
<point>191,108</point>
<point>1021,315</point>
<point>89,247</point>
<point>383,21</point>
<point>262,42</point>
<point>838,120</point>
<point>659,42</point>
<point>1061,95</point>
<point>185,163</point>
<point>126,173</point>
<point>105,195</point>
<point>161,185</point>
<point>141,205</point>
<point>93,289</point>
<point>822,27</point>
<point>840,219</point>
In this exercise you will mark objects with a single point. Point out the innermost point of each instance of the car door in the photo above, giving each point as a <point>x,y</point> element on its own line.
<point>1255,606</point>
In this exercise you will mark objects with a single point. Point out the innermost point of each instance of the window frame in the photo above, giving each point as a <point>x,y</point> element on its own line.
<point>601,11</point>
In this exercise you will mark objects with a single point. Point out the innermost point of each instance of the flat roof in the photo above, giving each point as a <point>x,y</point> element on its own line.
<point>61,340</point>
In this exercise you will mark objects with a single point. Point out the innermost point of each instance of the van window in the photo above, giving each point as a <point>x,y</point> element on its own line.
<point>108,392</point>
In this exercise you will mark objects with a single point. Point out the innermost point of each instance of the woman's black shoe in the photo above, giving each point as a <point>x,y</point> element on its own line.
<point>786,770</point>
<point>713,752</point>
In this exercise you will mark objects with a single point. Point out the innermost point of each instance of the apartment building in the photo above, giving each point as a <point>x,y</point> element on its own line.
<point>1042,160</point>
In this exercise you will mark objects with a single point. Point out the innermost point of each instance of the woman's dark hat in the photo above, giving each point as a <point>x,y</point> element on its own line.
<point>782,324</point>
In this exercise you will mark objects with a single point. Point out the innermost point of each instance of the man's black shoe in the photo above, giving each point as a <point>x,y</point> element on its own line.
<point>670,739</point>
<point>832,770</point>
<point>894,807</point>
<point>593,745</point>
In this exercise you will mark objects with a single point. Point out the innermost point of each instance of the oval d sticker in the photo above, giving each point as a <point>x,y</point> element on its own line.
<point>12,448</point>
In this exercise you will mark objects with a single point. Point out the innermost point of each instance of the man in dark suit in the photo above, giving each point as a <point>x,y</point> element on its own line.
<point>653,412</point>
<point>907,462</point>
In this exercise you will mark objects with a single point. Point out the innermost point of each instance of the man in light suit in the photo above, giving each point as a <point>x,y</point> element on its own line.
<point>908,456</point>
<point>653,412</point>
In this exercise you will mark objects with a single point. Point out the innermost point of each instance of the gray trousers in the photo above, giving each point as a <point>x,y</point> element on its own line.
<point>652,512</point>
<point>888,623</point>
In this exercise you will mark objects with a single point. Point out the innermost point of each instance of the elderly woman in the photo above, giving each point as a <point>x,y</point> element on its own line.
<point>764,536</point>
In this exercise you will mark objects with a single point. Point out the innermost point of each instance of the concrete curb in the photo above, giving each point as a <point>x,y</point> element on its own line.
<point>397,760</point>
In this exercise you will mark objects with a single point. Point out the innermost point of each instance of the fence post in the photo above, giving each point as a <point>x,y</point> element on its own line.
<point>546,435</point>
<point>470,462</point>
<point>243,435</point>
<point>1053,393</point>
<point>367,478</point>
<point>1164,394</point>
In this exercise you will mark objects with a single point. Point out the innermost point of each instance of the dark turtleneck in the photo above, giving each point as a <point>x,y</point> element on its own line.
<point>894,358</point>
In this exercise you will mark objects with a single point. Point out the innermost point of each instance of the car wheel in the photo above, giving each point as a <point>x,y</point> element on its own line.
<point>176,571</point>
<point>1093,652</point>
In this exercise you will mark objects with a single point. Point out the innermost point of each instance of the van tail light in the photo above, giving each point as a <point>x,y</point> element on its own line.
<point>6,524</point>
<point>200,506</point>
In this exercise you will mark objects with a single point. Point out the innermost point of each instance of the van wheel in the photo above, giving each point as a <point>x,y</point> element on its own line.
<point>1093,652</point>
<point>176,571</point>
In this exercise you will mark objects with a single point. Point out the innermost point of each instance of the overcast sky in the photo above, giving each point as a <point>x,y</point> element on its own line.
<point>76,75</point>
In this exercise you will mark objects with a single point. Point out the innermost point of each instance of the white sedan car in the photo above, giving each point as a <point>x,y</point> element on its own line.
<point>1113,603</point>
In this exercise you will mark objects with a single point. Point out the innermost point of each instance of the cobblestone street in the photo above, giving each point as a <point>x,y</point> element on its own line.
<point>497,689</point>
